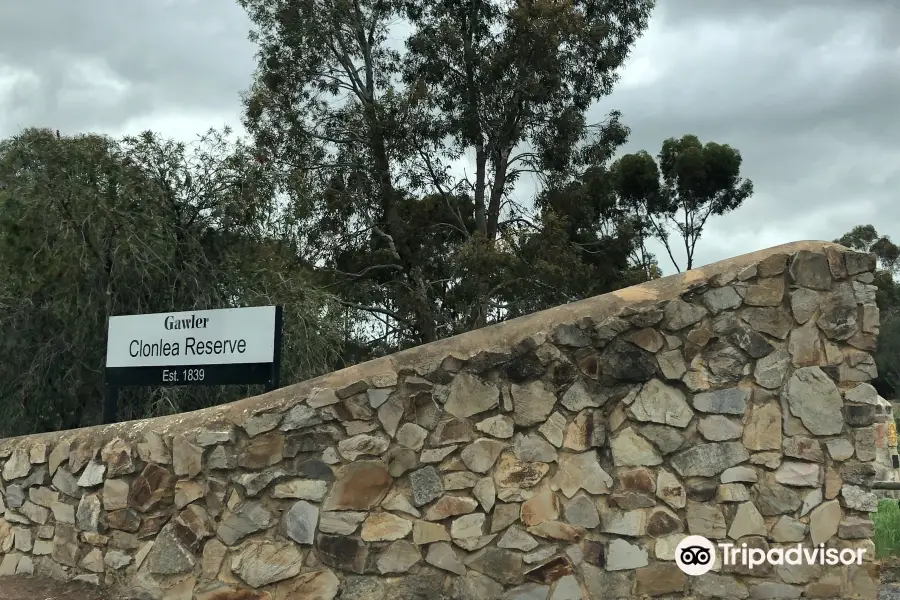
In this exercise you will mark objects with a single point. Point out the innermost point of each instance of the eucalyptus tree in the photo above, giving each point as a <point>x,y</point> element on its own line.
<point>407,133</point>
<point>92,227</point>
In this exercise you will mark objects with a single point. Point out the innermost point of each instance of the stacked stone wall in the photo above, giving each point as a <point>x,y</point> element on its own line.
<point>560,456</point>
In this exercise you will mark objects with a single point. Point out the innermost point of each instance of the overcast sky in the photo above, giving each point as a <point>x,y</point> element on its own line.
<point>807,90</point>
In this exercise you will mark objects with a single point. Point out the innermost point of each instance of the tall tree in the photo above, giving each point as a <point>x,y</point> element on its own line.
<point>364,134</point>
<point>865,238</point>
<point>92,227</point>
<point>680,190</point>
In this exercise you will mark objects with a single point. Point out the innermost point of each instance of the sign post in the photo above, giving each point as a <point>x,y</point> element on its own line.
<point>229,346</point>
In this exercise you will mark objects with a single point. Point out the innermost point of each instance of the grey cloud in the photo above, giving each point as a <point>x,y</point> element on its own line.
<point>879,15</point>
<point>807,90</point>
<point>804,91</point>
<point>170,54</point>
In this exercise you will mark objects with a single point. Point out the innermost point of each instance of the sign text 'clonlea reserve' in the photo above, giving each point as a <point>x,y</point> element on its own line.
<point>192,347</point>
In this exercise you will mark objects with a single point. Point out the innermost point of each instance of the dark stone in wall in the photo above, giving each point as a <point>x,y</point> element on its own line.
<point>342,552</point>
<point>859,415</point>
<point>526,366</point>
<point>626,362</point>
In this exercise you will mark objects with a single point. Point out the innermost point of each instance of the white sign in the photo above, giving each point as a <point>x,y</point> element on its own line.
<point>202,337</point>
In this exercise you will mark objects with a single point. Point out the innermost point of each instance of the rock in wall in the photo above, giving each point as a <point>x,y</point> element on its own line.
<point>559,456</point>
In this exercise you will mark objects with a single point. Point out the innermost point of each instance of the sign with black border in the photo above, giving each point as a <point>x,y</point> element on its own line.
<point>228,346</point>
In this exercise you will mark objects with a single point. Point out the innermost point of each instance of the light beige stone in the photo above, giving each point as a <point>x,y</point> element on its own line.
<point>739,474</point>
<point>540,555</point>
<point>499,426</point>
<point>363,445</point>
<point>382,527</point>
<point>398,558</point>
<point>747,521</point>
<point>534,448</point>
<point>187,458</point>
<point>425,532</point>
<point>580,472</point>
<point>115,494</point>
<point>504,515</point>
<point>815,400</point>
<point>732,492</point>
<point>631,450</point>
<point>718,428</point>
<point>631,523</point>
<point>510,472</point>
<point>214,553</point>
<point>800,474</point>
<point>468,526</point>
<point>811,500</point>
<point>470,396</point>
<point>486,493</point>
<point>341,523</point>
<point>706,520</point>
<point>18,465</point>
<point>58,455</point>
<point>301,489</point>
<point>412,436</point>
<point>840,449</point>
<point>670,490</point>
<point>666,545</point>
<point>532,402</point>
<point>671,364</point>
<point>622,555</point>
<point>762,430</point>
<point>554,429</point>
<point>42,496</point>
<point>578,398</point>
<point>397,501</point>
<point>824,521</point>
<point>543,506</point>
<point>261,563</point>
<point>443,556</point>
<point>658,402</point>
<point>187,491</point>
<point>788,529</point>
<point>450,506</point>
<point>480,455</point>
<point>557,530</point>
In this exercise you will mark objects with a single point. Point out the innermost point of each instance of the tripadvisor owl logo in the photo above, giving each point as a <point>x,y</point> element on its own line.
<point>696,555</point>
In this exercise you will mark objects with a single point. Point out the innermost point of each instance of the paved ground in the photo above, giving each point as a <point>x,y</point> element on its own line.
<point>889,591</point>
<point>890,581</point>
<point>32,588</point>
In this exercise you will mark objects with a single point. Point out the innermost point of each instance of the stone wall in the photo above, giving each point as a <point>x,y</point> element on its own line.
<point>559,456</point>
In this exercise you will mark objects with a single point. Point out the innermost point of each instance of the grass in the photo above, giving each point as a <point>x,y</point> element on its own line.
<point>887,529</point>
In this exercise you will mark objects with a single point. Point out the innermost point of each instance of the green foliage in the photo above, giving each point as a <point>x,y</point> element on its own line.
<point>887,529</point>
<point>688,183</point>
<point>887,355</point>
<point>362,136</point>
<point>92,227</point>
<point>888,295</point>
<point>865,238</point>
